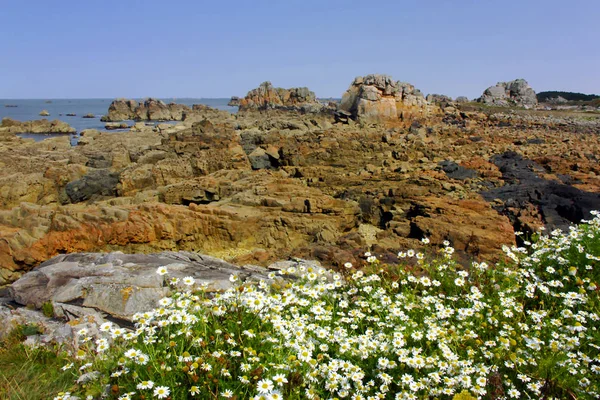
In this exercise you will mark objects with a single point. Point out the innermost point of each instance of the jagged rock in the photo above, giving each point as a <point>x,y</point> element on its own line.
<point>517,92</point>
<point>90,115</point>
<point>267,97</point>
<point>120,109</point>
<point>380,97</point>
<point>234,101</point>
<point>10,125</point>
<point>44,113</point>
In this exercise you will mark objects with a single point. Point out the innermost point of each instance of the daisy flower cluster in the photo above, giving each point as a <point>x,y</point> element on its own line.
<point>431,328</point>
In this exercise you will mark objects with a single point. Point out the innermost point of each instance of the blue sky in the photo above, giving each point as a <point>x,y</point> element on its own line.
<point>195,48</point>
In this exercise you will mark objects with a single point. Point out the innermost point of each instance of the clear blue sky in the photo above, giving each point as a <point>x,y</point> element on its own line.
<point>195,48</point>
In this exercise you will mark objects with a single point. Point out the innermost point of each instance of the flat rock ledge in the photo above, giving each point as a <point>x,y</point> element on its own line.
<point>88,289</point>
<point>119,284</point>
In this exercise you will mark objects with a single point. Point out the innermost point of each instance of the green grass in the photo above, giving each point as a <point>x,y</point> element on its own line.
<point>30,374</point>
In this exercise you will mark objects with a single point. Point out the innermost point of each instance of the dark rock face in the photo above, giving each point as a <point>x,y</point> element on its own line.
<point>455,171</point>
<point>234,101</point>
<point>517,92</point>
<point>528,196</point>
<point>94,184</point>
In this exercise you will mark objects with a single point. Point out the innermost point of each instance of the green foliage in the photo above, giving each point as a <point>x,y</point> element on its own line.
<point>570,96</point>
<point>48,309</point>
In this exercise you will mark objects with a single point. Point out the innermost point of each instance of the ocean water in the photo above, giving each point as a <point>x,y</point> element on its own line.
<point>29,109</point>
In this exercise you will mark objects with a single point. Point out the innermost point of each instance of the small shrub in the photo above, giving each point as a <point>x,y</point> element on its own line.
<point>48,309</point>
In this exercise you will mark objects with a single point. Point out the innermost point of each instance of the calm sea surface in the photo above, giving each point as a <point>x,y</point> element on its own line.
<point>29,109</point>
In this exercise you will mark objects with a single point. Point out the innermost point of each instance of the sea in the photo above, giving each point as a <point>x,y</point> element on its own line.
<point>29,109</point>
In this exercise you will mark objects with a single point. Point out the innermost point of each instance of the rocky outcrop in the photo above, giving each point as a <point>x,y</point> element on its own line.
<point>9,125</point>
<point>439,99</point>
<point>234,101</point>
<point>149,109</point>
<point>44,113</point>
<point>462,99</point>
<point>267,97</point>
<point>380,97</point>
<point>255,187</point>
<point>516,93</point>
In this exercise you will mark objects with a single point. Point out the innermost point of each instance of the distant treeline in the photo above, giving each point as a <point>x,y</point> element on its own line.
<point>571,96</point>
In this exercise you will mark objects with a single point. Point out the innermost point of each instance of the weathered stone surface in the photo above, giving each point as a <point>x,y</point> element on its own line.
<point>10,125</point>
<point>118,284</point>
<point>380,97</point>
<point>99,183</point>
<point>517,92</point>
<point>254,187</point>
<point>267,97</point>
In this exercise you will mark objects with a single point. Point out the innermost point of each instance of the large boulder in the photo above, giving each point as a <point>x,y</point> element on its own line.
<point>121,109</point>
<point>118,284</point>
<point>380,97</point>
<point>267,97</point>
<point>517,92</point>
<point>10,125</point>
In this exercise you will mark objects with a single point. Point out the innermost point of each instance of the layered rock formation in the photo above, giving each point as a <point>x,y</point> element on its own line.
<point>380,97</point>
<point>149,109</point>
<point>267,97</point>
<point>10,125</point>
<point>255,187</point>
<point>517,93</point>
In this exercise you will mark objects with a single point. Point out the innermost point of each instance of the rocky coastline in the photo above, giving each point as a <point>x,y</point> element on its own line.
<point>289,176</point>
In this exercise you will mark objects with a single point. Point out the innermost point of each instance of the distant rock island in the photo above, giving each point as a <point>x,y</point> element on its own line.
<point>10,125</point>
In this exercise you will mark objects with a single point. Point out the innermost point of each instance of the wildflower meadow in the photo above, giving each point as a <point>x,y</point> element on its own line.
<point>526,328</point>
